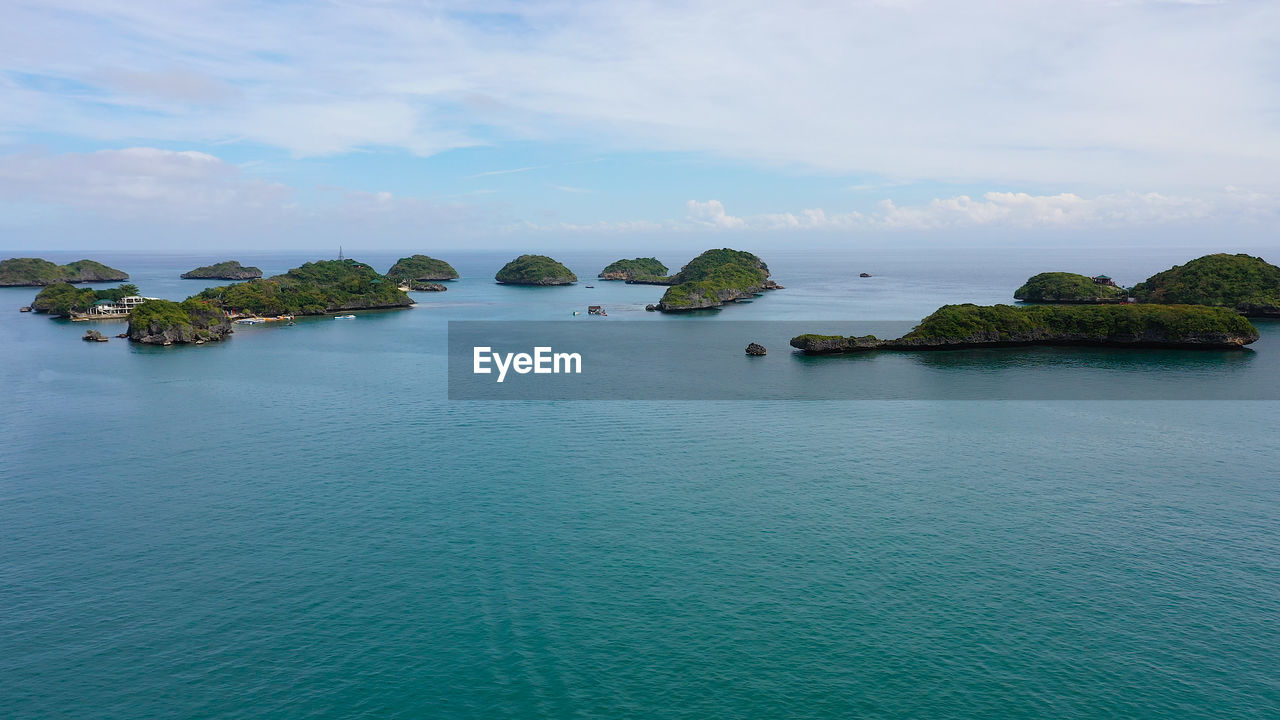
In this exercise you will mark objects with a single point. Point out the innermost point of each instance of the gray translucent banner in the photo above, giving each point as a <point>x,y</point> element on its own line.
<point>688,358</point>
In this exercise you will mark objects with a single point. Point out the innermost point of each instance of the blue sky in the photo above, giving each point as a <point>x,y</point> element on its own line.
<point>247,124</point>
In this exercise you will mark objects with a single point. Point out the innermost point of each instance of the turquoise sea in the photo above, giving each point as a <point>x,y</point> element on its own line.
<point>297,523</point>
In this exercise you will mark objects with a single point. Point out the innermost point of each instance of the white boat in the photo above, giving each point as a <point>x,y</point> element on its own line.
<point>344,317</point>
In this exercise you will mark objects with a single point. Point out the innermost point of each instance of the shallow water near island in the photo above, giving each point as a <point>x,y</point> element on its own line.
<point>298,522</point>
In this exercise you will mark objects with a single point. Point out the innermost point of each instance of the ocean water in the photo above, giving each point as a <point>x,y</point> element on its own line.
<point>297,523</point>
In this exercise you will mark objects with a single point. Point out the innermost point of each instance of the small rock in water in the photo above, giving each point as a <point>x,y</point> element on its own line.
<point>755,349</point>
<point>651,308</point>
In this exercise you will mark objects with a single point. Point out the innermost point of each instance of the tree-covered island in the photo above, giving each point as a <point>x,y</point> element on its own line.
<point>164,322</point>
<point>1248,284</point>
<point>645,270</point>
<point>714,278</point>
<point>535,270</point>
<point>226,270</point>
<point>65,299</point>
<point>1131,325</point>
<point>1065,287</point>
<point>421,269</point>
<point>34,272</point>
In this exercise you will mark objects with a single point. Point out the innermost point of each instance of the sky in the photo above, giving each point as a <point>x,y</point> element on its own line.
<point>388,124</point>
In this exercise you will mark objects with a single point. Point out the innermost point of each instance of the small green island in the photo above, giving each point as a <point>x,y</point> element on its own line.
<point>226,270</point>
<point>315,288</point>
<point>1065,287</point>
<point>636,270</point>
<point>1248,284</point>
<point>421,273</point>
<point>35,272</point>
<point>535,270</point>
<point>714,278</point>
<point>67,300</point>
<point>164,322</point>
<point>954,327</point>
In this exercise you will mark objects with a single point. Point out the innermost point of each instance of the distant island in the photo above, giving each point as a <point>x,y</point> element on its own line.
<point>714,278</point>
<point>1135,326</point>
<point>1248,284</point>
<point>535,270</point>
<point>66,300</point>
<point>34,272</point>
<point>421,269</point>
<point>164,322</point>
<point>635,269</point>
<point>226,270</point>
<point>1065,287</point>
<point>315,288</point>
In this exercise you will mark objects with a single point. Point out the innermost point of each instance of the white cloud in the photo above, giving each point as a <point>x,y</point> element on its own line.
<point>1110,95</point>
<point>712,213</point>
<point>141,182</point>
<point>152,188</point>
<point>993,209</point>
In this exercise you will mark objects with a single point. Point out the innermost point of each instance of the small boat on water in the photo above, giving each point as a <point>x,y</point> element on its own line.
<point>25,308</point>
<point>344,317</point>
<point>591,286</point>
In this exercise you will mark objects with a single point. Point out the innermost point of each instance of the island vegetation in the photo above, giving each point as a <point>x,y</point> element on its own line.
<point>535,270</point>
<point>34,272</point>
<point>64,299</point>
<point>647,270</point>
<point>314,288</point>
<point>969,326</point>
<point>1065,287</point>
<point>1248,284</point>
<point>226,270</point>
<point>421,268</point>
<point>164,322</point>
<point>714,278</point>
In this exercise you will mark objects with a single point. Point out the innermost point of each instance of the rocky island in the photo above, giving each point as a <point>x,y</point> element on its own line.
<point>34,272</point>
<point>226,270</point>
<point>65,299</point>
<point>315,288</point>
<point>421,269</point>
<point>535,270</point>
<point>714,278</point>
<point>1065,287</point>
<point>636,270</point>
<point>164,322</point>
<point>1130,326</point>
<point>1248,284</point>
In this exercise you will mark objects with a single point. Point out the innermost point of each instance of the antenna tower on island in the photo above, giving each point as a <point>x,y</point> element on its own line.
<point>340,253</point>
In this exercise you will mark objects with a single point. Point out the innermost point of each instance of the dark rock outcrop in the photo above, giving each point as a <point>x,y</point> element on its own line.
<point>755,349</point>
<point>94,336</point>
